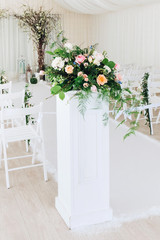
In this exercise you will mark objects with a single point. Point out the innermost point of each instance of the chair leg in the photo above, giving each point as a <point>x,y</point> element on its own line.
<point>6,166</point>
<point>34,151</point>
<point>44,162</point>
<point>27,146</point>
<point>0,155</point>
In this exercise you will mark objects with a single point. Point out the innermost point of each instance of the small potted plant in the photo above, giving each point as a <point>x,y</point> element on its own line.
<point>33,79</point>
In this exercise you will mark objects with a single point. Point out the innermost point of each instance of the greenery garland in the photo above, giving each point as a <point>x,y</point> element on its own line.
<point>27,104</point>
<point>145,98</point>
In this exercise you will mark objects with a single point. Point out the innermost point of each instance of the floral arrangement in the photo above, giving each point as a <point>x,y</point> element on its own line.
<point>3,78</point>
<point>87,71</point>
<point>39,23</point>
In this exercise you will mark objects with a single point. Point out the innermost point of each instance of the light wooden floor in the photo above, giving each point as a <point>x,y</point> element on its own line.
<point>27,212</point>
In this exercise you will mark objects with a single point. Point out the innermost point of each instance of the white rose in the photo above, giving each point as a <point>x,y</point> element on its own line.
<point>96,62</point>
<point>107,68</point>
<point>68,46</point>
<point>98,56</point>
<point>90,59</point>
<point>58,63</point>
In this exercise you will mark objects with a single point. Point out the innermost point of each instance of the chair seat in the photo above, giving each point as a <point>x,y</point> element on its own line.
<point>19,133</point>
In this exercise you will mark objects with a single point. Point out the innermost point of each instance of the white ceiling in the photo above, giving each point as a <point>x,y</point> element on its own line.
<point>101,6</point>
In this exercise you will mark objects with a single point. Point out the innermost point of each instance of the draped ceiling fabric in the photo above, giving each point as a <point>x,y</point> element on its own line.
<point>100,6</point>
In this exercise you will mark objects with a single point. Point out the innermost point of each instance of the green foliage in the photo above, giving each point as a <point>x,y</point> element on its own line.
<point>55,90</point>
<point>27,104</point>
<point>145,98</point>
<point>61,95</point>
<point>3,78</point>
<point>84,100</point>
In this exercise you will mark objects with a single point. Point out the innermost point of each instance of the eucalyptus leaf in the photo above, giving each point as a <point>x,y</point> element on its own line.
<point>105,61</point>
<point>111,64</point>
<point>61,95</point>
<point>49,52</point>
<point>55,89</point>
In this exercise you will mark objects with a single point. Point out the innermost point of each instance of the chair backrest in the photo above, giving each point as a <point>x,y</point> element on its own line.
<point>6,87</point>
<point>19,113</point>
<point>12,99</point>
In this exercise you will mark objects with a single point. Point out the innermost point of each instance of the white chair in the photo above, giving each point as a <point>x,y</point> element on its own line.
<point>6,88</point>
<point>23,132</point>
<point>10,100</point>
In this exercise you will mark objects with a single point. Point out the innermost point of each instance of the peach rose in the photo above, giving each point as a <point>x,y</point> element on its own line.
<point>80,59</point>
<point>101,79</point>
<point>85,85</point>
<point>86,79</point>
<point>69,69</point>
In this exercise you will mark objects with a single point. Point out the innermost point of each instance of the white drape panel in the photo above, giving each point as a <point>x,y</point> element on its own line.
<point>100,6</point>
<point>14,43</point>
<point>129,36</point>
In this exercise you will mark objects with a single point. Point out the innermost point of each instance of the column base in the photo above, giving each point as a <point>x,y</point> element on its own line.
<point>88,218</point>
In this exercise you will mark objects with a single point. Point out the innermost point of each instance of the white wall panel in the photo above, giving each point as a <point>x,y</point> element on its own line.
<point>129,36</point>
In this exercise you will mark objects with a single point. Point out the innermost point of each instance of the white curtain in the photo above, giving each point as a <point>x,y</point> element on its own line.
<point>14,44</point>
<point>100,6</point>
<point>129,36</point>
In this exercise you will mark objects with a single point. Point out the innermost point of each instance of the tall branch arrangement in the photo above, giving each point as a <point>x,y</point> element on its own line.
<point>39,23</point>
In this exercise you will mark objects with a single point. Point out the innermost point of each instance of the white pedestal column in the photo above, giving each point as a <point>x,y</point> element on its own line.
<point>83,165</point>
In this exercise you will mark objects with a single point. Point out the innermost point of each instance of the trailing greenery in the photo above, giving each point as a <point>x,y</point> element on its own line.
<point>27,104</point>
<point>145,98</point>
<point>89,74</point>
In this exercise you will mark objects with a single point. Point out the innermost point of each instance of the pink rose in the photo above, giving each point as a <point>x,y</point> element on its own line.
<point>85,75</point>
<point>80,59</point>
<point>85,85</point>
<point>42,73</point>
<point>119,77</point>
<point>86,64</point>
<point>94,88</point>
<point>86,79</point>
<point>117,66</point>
<point>80,74</point>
